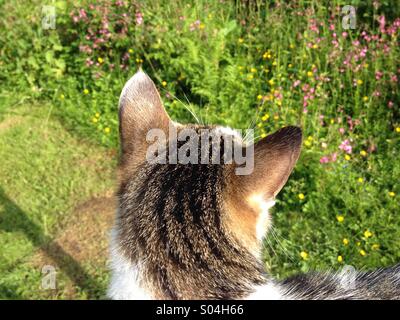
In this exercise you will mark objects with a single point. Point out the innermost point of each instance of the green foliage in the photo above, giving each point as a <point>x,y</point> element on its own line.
<point>242,64</point>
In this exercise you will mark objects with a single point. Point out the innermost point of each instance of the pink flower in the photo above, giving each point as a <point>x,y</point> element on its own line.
<point>334,157</point>
<point>390,104</point>
<point>139,18</point>
<point>345,146</point>
<point>324,159</point>
<point>341,130</point>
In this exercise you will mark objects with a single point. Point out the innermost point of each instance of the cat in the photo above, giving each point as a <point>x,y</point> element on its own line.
<point>194,231</point>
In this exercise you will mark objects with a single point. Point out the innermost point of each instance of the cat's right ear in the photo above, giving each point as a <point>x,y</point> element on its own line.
<point>140,110</point>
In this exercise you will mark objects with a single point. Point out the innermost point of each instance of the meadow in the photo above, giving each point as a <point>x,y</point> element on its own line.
<point>250,64</point>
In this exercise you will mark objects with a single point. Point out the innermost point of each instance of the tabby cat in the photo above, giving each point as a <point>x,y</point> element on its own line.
<point>194,231</point>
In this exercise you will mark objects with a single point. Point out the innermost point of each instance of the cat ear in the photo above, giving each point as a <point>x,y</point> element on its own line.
<point>140,110</point>
<point>274,160</point>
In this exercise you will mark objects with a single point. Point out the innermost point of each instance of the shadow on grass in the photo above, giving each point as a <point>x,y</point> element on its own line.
<point>14,219</point>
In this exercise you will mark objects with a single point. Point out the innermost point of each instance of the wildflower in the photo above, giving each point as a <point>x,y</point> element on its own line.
<point>324,159</point>
<point>340,218</point>
<point>291,46</point>
<point>365,98</point>
<point>250,77</point>
<point>367,234</point>
<point>398,129</point>
<point>164,83</point>
<point>359,82</point>
<point>240,40</point>
<point>290,65</point>
<point>360,180</point>
<point>276,117</point>
<point>391,194</point>
<point>86,91</point>
<point>100,60</point>
<point>309,74</point>
<point>347,157</point>
<point>362,252</point>
<point>253,70</point>
<point>274,63</point>
<point>265,117</point>
<point>307,143</point>
<point>345,241</point>
<point>345,146</point>
<point>97,115</point>
<point>259,97</point>
<point>62,97</point>
<point>271,82</point>
<point>375,246</point>
<point>340,259</point>
<point>130,50</point>
<point>94,120</point>
<point>363,153</point>
<point>263,135</point>
<point>107,130</point>
<point>301,196</point>
<point>304,255</point>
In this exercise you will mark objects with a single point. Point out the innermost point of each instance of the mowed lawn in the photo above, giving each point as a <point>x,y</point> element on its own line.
<point>56,207</point>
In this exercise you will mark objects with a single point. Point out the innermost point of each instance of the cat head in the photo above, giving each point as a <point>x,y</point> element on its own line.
<point>242,200</point>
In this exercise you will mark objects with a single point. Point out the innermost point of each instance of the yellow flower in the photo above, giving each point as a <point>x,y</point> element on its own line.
<point>86,91</point>
<point>290,65</point>
<point>62,97</point>
<point>310,138</point>
<point>301,196</point>
<point>345,241</point>
<point>391,194</point>
<point>202,26</point>
<point>398,129</point>
<point>363,153</point>
<point>365,98</point>
<point>164,83</point>
<point>347,157</point>
<point>259,97</point>
<point>276,117</point>
<point>100,60</point>
<point>315,46</point>
<point>130,50</point>
<point>307,143</point>
<point>375,246</point>
<point>271,82</point>
<point>367,234</point>
<point>94,119</point>
<point>240,40</point>
<point>265,117</point>
<point>340,218</point>
<point>366,65</point>
<point>263,135</point>
<point>304,255</point>
<point>250,77</point>
<point>360,180</point>
<point>274,63</point>
<point>97,115</point>
<point>309,74</point>
<point>340,259</point>
<point>253,70</point>
<point>107,130</point>
<point>359,82</point>
<point>358,243</point>
<point>362,252</point>
<point>291,46</point>
<point>279,102</point>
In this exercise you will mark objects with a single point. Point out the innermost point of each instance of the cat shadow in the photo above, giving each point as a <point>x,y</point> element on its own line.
<point>14,219</point>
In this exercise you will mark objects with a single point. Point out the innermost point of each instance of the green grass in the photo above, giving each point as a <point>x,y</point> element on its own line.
<point>259,65</point>
<point>45,172</point>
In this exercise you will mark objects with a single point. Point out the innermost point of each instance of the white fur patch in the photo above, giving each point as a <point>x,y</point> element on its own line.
<point>269,291</point>
<point>263,218</point>
<point>126,282</point>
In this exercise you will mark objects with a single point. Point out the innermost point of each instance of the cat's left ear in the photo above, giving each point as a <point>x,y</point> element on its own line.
<point>274,160</point>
